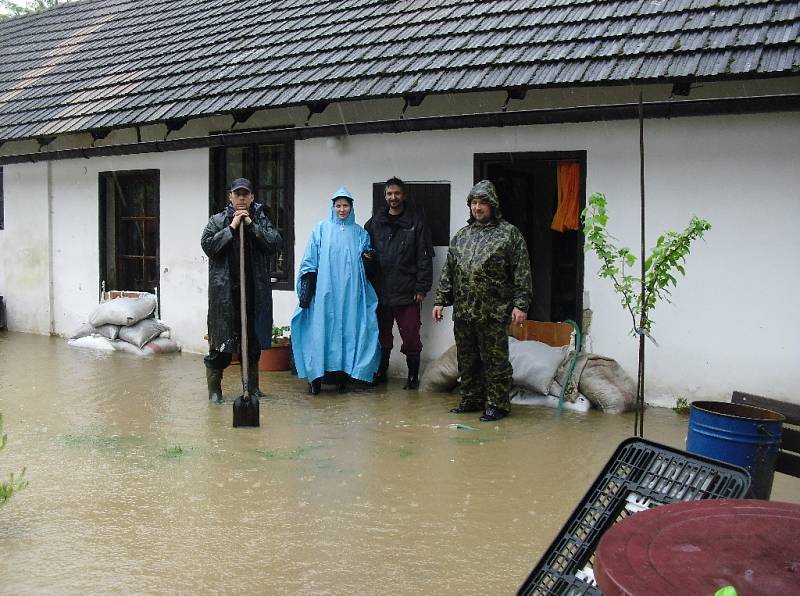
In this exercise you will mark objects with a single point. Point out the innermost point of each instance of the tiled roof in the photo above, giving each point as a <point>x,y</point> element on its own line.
<point>98,64</point>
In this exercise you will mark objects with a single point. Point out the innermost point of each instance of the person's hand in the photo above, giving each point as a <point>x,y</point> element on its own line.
<point>368,254</point>
<point>419,297</point>
<point>240,215</point>
<point>437,312</point>
<point>518,317</point>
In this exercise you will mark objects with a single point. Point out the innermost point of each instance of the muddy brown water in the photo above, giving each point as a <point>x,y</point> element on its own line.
<point>138,485</point>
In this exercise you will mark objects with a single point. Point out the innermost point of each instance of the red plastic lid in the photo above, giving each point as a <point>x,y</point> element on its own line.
<point>701,546</point>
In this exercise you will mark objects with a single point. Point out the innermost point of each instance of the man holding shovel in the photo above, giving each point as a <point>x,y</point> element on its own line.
<point>220,242</point>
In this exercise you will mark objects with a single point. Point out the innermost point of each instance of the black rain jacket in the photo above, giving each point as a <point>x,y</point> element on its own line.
<point>221,245</point>
<point>405,254</point>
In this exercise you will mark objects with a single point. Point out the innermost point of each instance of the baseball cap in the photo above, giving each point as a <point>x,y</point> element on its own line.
<point>241,184</point>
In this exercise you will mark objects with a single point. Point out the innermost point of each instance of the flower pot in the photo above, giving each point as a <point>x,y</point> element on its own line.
<point>276,358</point>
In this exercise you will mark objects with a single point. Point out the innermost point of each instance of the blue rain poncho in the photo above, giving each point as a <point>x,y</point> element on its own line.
<point>339,330</point>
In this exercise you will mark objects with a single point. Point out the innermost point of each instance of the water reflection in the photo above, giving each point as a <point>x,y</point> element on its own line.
<point>138,485</point>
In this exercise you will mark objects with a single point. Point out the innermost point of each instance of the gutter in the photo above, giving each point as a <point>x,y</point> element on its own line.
<point>628,111</point>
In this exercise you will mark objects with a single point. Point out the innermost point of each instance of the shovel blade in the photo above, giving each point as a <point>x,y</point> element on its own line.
<point>246,412</point>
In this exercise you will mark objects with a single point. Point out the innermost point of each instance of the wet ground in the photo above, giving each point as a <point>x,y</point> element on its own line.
<point>138,485</point>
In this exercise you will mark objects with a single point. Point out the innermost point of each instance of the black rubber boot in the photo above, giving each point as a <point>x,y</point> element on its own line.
<point>341,382</point>
<point>467,405</point>
<point>491,414</point>
<point>214,382</point>
<point>252,382</point>
<point>412,382</point>
<point>380,376</point>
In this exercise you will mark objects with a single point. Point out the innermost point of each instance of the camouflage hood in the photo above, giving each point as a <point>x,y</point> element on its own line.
<point>486,191</point>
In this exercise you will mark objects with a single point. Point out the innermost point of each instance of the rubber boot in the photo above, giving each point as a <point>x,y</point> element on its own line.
<point>380,376</point>
<point>252,383</point>
<point>412,360</point>
<point>341,382</point>
<point>214,382</point>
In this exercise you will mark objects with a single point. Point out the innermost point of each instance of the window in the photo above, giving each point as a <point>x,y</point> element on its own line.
<point>129,230</point>
<point>270,169</point>
<point>431,199</point>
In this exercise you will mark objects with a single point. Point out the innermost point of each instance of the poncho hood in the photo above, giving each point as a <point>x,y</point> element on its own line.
<point>485,190</point>
<point>343,193</point>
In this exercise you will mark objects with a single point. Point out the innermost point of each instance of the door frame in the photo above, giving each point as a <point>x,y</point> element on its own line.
<point>481,160</point>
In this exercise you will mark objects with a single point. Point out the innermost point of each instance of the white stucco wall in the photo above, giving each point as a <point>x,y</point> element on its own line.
<point>24,246</point>
<point>74,187</point>
<point>732,323</point>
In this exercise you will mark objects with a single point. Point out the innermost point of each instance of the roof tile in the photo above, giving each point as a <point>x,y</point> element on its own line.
<point>91,64</point>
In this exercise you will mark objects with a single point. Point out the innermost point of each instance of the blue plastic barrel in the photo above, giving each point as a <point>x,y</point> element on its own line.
<point>746,436</point>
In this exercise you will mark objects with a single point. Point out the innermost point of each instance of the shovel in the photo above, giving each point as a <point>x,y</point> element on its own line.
<point>245,407</point>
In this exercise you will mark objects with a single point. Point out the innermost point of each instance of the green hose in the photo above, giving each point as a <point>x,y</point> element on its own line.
<point>571,364</point>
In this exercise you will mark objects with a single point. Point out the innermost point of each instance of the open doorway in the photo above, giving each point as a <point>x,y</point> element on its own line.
<point>527,184</point>
<point>129,230</point>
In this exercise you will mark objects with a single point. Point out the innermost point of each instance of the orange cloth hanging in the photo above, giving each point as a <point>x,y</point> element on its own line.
<point>566,217</point>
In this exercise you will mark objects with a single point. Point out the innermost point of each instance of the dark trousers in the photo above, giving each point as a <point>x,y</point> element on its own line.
<point>483,364</point>
<point>217,359</point>
<point>408,322</point>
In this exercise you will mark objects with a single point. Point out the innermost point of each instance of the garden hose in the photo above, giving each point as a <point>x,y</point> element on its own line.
<point>571,364</point>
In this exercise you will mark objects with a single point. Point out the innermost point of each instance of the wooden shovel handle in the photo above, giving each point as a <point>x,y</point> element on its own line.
<point>243,305</point>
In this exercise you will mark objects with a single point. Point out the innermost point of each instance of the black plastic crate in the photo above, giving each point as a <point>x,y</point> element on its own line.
<point>640,475</point>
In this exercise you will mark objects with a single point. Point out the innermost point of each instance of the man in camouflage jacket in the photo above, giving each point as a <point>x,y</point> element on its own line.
<point>487,280</point>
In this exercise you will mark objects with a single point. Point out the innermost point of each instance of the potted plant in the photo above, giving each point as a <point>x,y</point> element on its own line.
<point>277,357</point>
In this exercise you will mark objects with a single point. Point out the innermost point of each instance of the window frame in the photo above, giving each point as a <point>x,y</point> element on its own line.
<point>217,196</point>
<point>416,193</point>
<point>103,179</point>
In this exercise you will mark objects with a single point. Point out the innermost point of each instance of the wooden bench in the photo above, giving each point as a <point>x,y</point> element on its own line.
<point>789,454</point>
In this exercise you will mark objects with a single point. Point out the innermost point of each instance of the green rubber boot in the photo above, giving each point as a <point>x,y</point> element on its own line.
<point>214,381</point>
<point>252,382</point>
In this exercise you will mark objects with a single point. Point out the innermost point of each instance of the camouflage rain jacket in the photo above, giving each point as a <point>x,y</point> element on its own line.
<point>488,271</point>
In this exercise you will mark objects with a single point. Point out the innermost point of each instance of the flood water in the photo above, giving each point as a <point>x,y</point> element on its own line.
<point>138,485</point>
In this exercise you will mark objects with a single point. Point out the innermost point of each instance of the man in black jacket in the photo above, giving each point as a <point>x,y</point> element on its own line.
<point>220,242</point>
<point>404,252</point>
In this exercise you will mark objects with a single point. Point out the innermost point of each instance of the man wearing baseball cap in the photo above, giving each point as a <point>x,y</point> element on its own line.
<point>220,242</point>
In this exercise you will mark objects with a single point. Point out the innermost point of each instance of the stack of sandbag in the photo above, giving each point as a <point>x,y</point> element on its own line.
<point>126,325</point>
<point>535,365</point>
<point>539,373</point>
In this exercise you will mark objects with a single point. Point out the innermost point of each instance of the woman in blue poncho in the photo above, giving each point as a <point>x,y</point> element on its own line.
<point>337,332</point>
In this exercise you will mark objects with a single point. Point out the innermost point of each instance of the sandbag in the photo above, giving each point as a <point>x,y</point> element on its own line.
<point>142,332</point>
<point>123,346</point>
<point>107,331</point>
<point>524,396</point>
<point>162,345</point>
<point>150,349</point>
<point>441,375</point>
<point>602,380</point>
<point>92,342</point>
<point>85,330</point>
<point>534,363</point>
<point>123,311</point>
